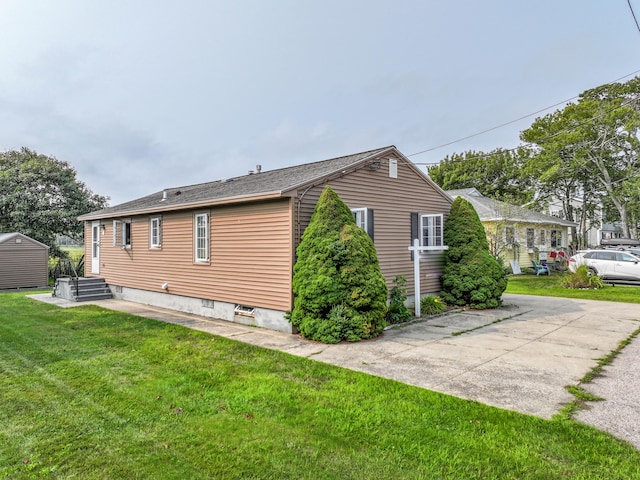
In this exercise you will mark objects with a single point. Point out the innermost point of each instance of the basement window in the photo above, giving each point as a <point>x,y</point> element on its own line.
<point>244,310</point>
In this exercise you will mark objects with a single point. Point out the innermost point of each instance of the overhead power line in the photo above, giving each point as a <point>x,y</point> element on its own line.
<point>568,129</point>
<point>513,121</point>
<point>633,15</point>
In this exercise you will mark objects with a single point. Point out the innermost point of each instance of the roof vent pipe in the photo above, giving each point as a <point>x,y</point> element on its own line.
<point>164,195</point>
<point>258,168</point>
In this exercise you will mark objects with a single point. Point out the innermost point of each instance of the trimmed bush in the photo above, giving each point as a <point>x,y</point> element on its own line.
<point>471,275</point>
<point>431,305</point>
<point>398,311</point>
<point>339,291</point>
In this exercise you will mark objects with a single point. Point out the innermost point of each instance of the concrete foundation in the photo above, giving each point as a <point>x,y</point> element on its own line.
<point>261,317</point>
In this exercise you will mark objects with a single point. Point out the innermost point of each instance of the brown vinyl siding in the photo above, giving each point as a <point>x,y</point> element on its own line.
<point>249,250</point>
<point>252,243</point>
<point>392,200</point>
<point>24,264</point>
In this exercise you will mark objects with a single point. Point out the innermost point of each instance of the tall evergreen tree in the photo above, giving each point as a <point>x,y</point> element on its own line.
<point>471,275</point>
<point>340,293</point>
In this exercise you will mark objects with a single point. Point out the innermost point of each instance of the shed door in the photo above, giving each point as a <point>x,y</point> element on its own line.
<point>95,247</point>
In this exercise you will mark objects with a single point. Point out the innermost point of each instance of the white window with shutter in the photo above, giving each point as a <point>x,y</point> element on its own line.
<point>360,216</point>
<point>364,219</point>
<point>122,233</point>
<point>431,230</point>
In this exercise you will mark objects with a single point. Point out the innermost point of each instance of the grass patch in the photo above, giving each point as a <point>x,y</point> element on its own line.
<point>582,396</point>
<point>74,251</point>
<point>551,286</point>
<point>91,393</point>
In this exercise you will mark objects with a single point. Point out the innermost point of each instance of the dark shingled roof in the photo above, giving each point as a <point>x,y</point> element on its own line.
<point>275,182</point>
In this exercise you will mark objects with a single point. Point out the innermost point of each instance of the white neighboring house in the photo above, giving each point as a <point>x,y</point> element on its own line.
<point>593,233</point>
<point>518,235</point>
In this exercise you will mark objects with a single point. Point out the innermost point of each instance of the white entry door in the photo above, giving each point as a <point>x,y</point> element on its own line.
<point>95,247</point>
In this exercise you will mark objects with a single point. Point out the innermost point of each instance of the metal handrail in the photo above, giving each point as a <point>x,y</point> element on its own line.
<point>68,263</point>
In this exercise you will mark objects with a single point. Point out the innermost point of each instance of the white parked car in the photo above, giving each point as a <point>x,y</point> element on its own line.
<point>608,264</point>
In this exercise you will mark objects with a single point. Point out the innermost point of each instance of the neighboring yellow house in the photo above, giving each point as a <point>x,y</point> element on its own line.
<point>517,235</point>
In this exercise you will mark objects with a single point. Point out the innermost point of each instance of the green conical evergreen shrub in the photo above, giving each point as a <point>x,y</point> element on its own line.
<point>472,276</point>
<point>339,291</point>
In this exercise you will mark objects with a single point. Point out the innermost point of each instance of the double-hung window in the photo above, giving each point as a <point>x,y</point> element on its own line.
<point>364,219</point>
<point>531,237</point>
<point>509,235</point>
<point>201,237</point>
<point>155,232</point>
<point>360,216</point>
<point>556,238</point>
<point>431,230</point>
<point>122,233</point>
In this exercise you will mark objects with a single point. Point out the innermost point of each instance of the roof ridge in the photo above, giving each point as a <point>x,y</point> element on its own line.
<point>275,170</point>
<point>271,182</point>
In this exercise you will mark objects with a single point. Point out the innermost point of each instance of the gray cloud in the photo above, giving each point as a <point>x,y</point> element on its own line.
<point>139,96</point>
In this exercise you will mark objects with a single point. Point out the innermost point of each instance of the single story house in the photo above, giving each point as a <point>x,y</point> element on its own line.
<point>24,262</point>
<point>226,249</point>
<point>518,235</point>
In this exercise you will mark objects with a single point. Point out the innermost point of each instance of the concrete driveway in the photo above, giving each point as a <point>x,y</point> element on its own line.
<point>518,357</point>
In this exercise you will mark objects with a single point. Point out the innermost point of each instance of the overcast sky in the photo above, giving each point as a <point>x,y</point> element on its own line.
<point>142,95</point>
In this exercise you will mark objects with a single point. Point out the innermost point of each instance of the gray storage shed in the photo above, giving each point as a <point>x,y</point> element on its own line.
<point>24,262</point>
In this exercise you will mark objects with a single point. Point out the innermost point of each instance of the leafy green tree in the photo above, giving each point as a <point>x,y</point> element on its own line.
<point>588,150</point>
<point>471,275</point>
<point>339,291</point>
<point>497,174</point>
<point>631,189</point>
<point>41,197</point>
<point>560,168</point>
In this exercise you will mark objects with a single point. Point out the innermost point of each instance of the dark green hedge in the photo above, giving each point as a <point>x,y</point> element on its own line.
<point>339,291</point>
<point>472,276</point>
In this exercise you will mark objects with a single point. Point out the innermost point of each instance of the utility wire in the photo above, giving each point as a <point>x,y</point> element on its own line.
<point>633,14</point>
<point>494,128</point>
<point>569,129</point>
<point>512,121</point>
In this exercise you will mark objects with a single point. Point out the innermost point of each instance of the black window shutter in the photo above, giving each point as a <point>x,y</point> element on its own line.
<point>415,219</point>
<point>370,223</point>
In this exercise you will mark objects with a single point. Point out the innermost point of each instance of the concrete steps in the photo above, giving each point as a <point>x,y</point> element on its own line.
<point>88,288</point>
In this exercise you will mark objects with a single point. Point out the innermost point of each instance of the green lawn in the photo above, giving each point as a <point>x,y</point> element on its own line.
<point>91,393</point>
<point>550,286</point>
<point>75,252</point>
